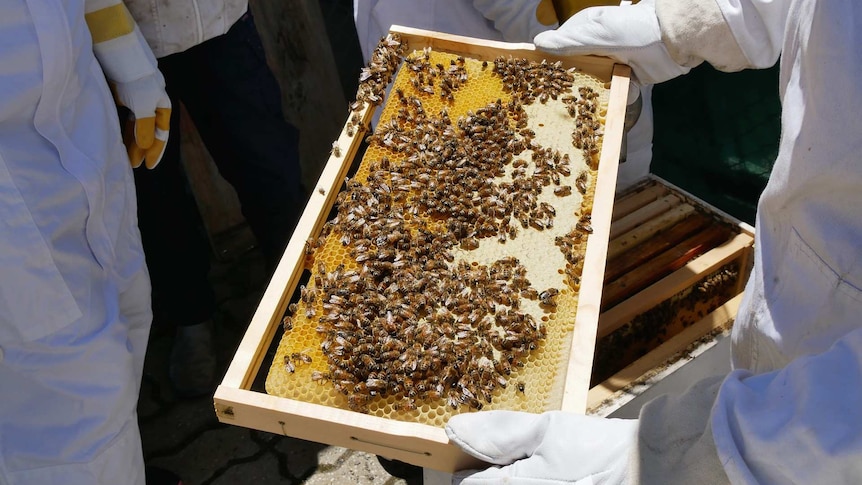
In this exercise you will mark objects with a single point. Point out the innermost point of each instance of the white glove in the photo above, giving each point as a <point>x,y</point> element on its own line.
<point>629,34</point>
<point>549,448</point>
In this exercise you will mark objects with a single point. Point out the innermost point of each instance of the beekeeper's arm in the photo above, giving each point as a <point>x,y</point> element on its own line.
<point>134,76</point>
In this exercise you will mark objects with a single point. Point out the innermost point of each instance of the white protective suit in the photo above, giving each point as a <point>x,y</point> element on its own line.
<point>172,26</point>
<point>509,21</point>
<point>791,411</point>
<point>74,293</point>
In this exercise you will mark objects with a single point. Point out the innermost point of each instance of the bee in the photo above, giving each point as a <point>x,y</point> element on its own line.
<point>336,150</point>
<point>470,243</point>
<point>563,190</point>
<point>287,323</point>
<point>521,387</point>
<point>319,376</point>
<point>407,404</point>
<point>289,365</point>
<point>581,182</point>
<point>548,297</point>
<point>307,295</point>
<point>321,191</point>
<point>301,356</point>
<point>484,65</point>
<point>358,402</point>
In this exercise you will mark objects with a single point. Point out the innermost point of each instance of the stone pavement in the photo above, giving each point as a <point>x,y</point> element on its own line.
<point>184,436</point>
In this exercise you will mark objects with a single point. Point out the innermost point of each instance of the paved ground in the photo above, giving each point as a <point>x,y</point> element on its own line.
<point>185,437</point>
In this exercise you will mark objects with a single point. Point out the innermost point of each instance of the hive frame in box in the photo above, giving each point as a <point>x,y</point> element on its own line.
<point>626,384</point>
<point>418,444</point>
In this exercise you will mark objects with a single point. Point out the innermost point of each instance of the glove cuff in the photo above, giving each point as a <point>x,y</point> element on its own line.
<point>118,44</point>
<point>127,58</point>
<point>696,31</point>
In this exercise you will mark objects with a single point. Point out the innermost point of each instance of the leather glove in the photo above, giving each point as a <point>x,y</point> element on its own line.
<point>549,448</point>
<point>629,34</point>
<point>146,132</point>
<point>135,79</point>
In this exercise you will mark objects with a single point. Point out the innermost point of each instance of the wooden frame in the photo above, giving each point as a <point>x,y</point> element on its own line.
<point>739,248</point>
<point>423,445</point>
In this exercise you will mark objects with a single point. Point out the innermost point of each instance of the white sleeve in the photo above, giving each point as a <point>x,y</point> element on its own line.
<point>758,27</point>
<point>800,424</point>
<point>729,34</point>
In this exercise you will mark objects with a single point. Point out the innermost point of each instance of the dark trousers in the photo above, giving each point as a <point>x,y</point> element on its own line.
<point>235,103</point>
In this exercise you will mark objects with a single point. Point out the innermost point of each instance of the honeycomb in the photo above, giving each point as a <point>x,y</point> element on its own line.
<point>650,329</point>
<point>301,369</point>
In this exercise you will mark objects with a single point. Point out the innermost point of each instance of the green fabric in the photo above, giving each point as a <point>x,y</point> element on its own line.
<point>716,135</point>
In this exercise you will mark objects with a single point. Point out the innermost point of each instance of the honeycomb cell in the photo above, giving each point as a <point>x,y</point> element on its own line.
<point>533,382</point>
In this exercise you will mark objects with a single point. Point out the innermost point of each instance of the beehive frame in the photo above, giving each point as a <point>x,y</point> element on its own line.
<point>614,391</point>
<point>423,445</point>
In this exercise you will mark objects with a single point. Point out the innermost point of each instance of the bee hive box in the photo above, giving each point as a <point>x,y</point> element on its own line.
<point>462,266</point>
<point>675,272</point>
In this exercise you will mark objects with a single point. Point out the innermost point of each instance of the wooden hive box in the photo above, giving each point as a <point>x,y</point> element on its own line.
<point>328,420</point>
<point>675,273</point>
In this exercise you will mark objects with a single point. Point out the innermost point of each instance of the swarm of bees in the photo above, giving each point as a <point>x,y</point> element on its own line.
<point>588,128</point>
<point>374,78</point>
<point>645,330</point>
<point>403,317</point>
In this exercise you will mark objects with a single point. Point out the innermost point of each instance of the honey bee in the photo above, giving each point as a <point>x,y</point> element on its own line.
<point>563,190</point>
<point>336,150</point>
<point>301,356</point>
<point>521,387</point>
<point>407,404</point>
<point>470,243</point>
<point>289,365</point>
<point>548,297</point>
<point>287,323</point>
<point>357,402</point>
<point>319,376</point>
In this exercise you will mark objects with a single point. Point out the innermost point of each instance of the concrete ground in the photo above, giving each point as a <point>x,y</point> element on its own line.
<point>184,436</point>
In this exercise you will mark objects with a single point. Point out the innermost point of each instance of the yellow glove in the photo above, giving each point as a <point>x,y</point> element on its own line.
<point>135,79</point>
<point>146,132</point>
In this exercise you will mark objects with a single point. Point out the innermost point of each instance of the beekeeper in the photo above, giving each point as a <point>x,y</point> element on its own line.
<point>789,411</point>
<point>74,293</point>
<point>509,21</point>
